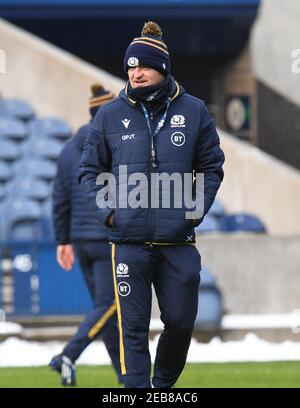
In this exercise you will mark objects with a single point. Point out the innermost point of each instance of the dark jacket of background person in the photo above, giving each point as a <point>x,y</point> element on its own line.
<point>73,217</point>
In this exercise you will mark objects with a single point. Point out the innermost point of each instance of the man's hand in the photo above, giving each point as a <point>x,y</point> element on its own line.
<point>65,256</point>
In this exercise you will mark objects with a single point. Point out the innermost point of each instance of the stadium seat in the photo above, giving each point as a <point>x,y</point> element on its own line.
<point>210,303</point>
<point>217,209</point>
<point>44,148</point>
<point>30,188</point>
<point>47,208</point>
<point>242,222</point>
<point>51,127</point>
<point>207,278</point>
<point>46,220</point>
<point>16,108</point>
<point>35,168</point>
<point>11,128</point>
<point>9,151</point>
<point>5,172</point>
<point>19,219</point>
<point>46,228</point>
<point>209,224</point>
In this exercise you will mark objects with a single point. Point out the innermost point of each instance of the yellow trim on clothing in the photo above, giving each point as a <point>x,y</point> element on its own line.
<point>151,45</point>
<point>100,103</point>
<point>150,39</point>
<point>122,353</point>
<point>101,99</point>
<point>101,322</point>
<point>131,100</point>
<point>177,91</point>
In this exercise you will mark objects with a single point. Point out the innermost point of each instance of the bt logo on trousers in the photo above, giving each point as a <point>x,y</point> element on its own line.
<point>124,289</point>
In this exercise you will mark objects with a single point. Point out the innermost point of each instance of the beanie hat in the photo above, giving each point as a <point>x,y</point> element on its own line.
<point>149,50</point>
<point>100,96</point>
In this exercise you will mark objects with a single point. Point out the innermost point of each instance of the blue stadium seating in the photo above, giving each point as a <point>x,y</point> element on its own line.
<point>35,167</point>
<point>9,151</point>
<point>47,208</point>
<point>207,278</point>
<point>35,289</point>
<point>44,148</point>
<point>209,224</point>
<point>74,297</point>
<point>5,172</point>
<point>11,128</point>
<point>32,188</point>
<point>217,209</point>
<point>19,219</point>
<point>50,127</point>
<point>242,223</point>
<point>46,220</point>
<point>210,303</point>
<point>47,229</point>
<point>16,108</point>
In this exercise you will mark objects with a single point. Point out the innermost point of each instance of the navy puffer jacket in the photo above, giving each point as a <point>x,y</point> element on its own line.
<point>119,135</point>
<point>73,217</point>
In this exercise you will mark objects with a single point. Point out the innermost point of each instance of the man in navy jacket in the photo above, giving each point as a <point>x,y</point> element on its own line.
<point>78,230</point>
<point>153,131</point>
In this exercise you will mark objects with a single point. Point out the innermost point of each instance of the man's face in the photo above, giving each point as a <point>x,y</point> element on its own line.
<point>143,76</point>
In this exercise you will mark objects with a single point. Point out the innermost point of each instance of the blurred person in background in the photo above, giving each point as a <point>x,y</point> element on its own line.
<point>154,127</point>
<point>77,231</point>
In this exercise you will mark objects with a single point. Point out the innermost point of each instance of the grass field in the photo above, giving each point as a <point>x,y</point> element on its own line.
<point>234,375</point>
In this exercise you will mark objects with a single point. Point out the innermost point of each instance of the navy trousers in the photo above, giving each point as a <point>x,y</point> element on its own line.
<point>174,270</point>
<point>95,263</point>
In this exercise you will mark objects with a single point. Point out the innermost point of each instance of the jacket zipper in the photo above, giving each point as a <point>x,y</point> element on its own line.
<point>153,161</point>
<point>153,166</point>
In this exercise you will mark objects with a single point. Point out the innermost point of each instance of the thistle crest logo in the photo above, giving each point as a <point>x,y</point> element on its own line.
<point>178,121</point>
<point>122,269</point>
<point>133,62</point>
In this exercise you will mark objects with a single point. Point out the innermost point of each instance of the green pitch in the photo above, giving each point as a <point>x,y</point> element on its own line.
<point>277,374</point>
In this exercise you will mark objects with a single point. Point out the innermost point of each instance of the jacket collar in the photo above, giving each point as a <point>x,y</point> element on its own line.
<point>124,94</point>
